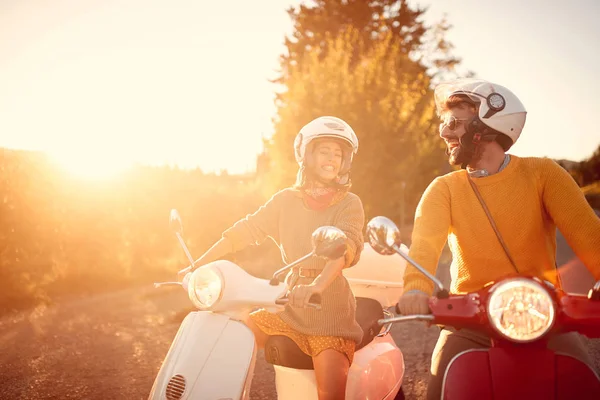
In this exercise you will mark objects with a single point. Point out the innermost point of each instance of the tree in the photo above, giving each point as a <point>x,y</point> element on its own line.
<point>385,97</point>
<point>589,170</point>
<point>373,21</point>
<point>371,63</point>
<point>61,235</point>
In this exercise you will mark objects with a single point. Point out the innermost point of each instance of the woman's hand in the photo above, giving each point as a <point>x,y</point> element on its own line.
<point>300,295</point>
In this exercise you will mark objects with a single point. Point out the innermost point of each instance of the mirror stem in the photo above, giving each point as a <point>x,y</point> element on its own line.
<point>442,293</point>
<point>275,279</point>
<point>185,249</point>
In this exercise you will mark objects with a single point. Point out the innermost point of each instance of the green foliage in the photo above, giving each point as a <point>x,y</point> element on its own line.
<point>385,97</point>
<point>589,170</point>
<point>371,63</point>
<point>585,172</point>
<point>372,22</point>
<point>60,235</point>
<point>592,194</point>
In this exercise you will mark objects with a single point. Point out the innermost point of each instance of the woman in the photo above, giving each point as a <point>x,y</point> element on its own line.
<point>324,149</point>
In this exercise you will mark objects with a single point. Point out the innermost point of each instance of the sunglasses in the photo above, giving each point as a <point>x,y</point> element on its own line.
<point>451,122</point>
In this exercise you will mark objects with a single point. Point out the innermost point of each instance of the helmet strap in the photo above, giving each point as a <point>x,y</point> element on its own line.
<point>476,132</point>
<point>469,146</point>
<point>342,181</point>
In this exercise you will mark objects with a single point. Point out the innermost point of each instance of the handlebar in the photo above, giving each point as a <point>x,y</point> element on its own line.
<point>406,318</point>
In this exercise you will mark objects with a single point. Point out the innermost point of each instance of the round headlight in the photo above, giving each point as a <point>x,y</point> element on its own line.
<point>521,310</point>
<point>204,288</point>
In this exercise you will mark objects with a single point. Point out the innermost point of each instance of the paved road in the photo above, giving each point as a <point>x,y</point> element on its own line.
<point>111,346</point>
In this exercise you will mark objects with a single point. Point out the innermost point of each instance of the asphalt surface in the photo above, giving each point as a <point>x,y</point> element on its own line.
<point>111,346</point>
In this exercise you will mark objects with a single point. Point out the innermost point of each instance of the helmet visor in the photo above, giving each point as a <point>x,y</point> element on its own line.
<point>472,90</point>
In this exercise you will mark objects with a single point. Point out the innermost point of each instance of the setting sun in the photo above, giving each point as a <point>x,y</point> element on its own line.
<point>92,167</point>
<point>164,92</point>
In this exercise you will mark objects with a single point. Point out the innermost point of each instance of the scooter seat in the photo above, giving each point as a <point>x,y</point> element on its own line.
<point>281,350</point>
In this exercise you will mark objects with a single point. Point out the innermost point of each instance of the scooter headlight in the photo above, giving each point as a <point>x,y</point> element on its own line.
<point>521,310</point>
<point>204,288</point>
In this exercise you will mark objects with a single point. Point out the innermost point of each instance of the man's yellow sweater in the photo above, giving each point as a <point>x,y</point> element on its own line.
<point>528,200</point>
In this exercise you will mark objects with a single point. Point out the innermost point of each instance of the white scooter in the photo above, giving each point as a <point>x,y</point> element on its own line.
<point>213,354</point>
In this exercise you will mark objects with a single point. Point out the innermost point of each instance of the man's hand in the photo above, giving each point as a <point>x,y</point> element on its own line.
<point>301,294</point>
<point>413,302</point>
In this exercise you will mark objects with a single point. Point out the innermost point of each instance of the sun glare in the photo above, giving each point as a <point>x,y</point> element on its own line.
<point>85,166</point>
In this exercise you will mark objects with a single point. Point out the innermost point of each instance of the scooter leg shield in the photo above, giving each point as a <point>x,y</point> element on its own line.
<point>211,357</point>
<point>528,373</point>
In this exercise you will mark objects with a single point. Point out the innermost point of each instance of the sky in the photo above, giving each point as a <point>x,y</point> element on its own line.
<point>103,83</point>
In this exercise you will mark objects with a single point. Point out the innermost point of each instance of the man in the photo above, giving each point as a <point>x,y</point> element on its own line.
<point>527,199</point>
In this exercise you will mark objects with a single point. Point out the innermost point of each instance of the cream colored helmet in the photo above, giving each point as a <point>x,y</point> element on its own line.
<point>499,108</point>
<point>326,127</point>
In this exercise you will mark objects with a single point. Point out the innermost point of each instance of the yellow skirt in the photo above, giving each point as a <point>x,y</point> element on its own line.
<point>272,325</point>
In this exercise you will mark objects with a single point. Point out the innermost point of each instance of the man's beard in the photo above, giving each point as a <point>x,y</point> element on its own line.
<point>459,155</point>
<point>464,155</point>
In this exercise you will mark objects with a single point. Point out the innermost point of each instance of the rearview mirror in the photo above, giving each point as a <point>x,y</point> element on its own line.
<point>383,235</point>
<point>329,242</point>
<point>175,222</point>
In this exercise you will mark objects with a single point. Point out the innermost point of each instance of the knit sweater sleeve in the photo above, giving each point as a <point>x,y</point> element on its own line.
<point>565,203</point>
<point>430,232</point>
<point>255,228</point>
<point>351,220</point>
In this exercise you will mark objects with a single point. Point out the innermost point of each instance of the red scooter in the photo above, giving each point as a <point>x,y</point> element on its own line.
<point>518,313</point>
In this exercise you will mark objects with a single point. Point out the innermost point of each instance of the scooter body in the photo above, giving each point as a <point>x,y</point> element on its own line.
<point>515,373</point>
<point>519,314</point>
<point>213,353</point>
<point>211,357</point>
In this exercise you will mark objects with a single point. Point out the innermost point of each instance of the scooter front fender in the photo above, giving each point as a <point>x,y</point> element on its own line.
<point>211,357</point>
<point>518,373</point>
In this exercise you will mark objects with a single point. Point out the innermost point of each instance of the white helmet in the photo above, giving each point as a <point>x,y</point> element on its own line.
<point>327,127</point>
<point>499,108</point>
